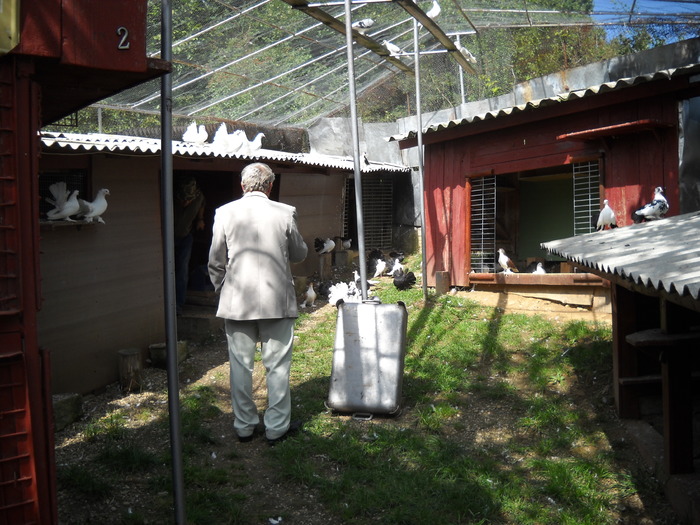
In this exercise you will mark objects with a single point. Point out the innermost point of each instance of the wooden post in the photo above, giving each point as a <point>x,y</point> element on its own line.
<point>324,265</point>
<point>130,369</point>
<point>442,282</point>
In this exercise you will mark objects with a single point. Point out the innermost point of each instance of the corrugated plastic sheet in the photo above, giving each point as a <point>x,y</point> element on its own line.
<point>663,255</point>
<point>140,145</point>
<point>558,99</point>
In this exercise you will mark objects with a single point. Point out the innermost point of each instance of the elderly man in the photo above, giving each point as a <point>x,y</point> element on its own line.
<point>254,241</point>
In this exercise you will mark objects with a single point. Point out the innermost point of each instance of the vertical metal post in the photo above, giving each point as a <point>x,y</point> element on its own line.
<point>166,184</point>
<point>356,150</point>
<point>461,75</point>
<point>419,125</point>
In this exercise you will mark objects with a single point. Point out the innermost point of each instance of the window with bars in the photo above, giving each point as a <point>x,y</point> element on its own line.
<point>586,180</point>
<point>377,210</point>
<point>483,223</point>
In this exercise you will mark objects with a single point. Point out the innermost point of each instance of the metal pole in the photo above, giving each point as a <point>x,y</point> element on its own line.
<point>356,151</point>
<point>461,76</point>
<point>166,184</point>
<point>419,124</point>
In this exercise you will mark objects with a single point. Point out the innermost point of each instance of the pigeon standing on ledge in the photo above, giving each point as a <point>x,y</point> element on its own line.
<point>323,245</point>
<point>505,262</point>
<point>65,203</point>
<point>195,134</point>
<point>606,217</point>
<point>92,211</point>
<point>653,210</point>
<point>540,269</point>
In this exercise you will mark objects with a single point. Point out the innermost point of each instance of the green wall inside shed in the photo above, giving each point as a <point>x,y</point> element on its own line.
<point>546,213</point>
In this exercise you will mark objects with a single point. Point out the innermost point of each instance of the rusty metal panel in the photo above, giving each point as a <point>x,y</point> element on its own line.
<point>109,34</point>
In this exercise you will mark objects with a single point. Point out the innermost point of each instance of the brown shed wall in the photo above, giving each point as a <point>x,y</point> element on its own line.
<point>102,284</point>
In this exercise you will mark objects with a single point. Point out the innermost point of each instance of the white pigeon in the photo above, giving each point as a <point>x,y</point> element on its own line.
<point>310,298</point>
<point>397,268</point>
<point>195,134</point>
<point>653,210</point>
<point>393,49</point>
<point>323,245</point>
<point>380,268</point>
<point>465,52</point>
<point>606,217</point>
<point>505,262</point>
<point>346,243</point>
<point>540,269</point>
<point>92,211</point>
<point>361,26</point>
<point>434,10</point>
<point>229,144</point>
<point>70,207</point>
<point>60,195</point>
<point>255,144</point>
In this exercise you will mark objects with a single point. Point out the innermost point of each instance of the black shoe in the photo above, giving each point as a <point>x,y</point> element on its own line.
<point>294,428</point>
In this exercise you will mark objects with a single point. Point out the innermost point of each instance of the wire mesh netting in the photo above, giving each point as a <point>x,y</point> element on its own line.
<point>268,62</point>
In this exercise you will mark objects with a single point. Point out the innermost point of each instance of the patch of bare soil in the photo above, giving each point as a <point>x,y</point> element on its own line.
<point>251,467</point>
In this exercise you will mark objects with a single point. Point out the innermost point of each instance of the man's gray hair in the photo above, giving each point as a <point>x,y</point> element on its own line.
<point>257,177</point>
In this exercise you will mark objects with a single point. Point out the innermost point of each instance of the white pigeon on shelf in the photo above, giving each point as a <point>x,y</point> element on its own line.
<point>361,26</point>
<point>393,49</point>
<point>434,11</point>
<point>653,210</point>
<point>69,207</point>
<point>465,52</point>
<point>92,211</point>
<point>59,195</point>
<point>380,268</point>
<point>197,135</point>
<point>505,262</point>
<point>606,217</point>
<point>540,269</point>
<point>346,243</point>
<point>323,245</point>
<point>310,298</point>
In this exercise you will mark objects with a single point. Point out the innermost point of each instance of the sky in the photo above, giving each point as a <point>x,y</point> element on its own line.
<point>644,7</point>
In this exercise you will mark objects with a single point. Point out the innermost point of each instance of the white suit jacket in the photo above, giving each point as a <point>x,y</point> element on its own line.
<point>254,241</point>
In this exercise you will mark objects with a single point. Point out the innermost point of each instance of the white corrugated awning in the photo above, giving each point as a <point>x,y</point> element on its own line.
<point>663,255</point>
<point>148,146</point>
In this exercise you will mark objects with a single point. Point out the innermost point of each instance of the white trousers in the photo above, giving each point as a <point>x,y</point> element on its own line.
<point>277,338</point>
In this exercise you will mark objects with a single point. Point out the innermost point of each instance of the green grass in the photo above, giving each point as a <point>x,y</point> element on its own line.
<point>490,430</point>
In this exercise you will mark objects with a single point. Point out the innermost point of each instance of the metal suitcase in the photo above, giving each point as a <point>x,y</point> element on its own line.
<point>368,358</point>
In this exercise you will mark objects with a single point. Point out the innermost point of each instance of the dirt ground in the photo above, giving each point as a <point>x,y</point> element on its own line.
<point>267,495</point>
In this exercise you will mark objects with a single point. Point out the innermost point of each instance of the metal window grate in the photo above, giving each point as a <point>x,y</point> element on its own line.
<point>377,209</point>
<point>586,195</point>
<point>483,224</point>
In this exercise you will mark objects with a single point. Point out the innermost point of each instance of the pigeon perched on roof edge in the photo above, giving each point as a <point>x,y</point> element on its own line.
<point>653,210</point>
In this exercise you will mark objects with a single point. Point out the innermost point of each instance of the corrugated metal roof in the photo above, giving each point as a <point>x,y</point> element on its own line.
<point>663,255</point>
<point>622,83</point>
<point>149,146</point>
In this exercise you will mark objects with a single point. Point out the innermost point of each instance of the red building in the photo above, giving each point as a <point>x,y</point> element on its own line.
<point>539,169</point>
<point>57,56</point>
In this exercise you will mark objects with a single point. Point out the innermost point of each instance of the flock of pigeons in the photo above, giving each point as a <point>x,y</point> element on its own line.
<point>362,26</point>
<point>66,204</point>
<point>378,265</point>
<point>654,210</point>
<point>223,142</point>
